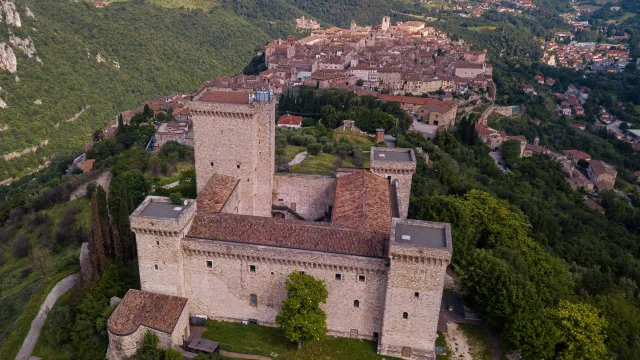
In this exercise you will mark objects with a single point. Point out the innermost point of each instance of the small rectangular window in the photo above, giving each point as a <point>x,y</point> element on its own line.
<point>211,164</point>
<point>252,268</point>
<point>209,264</point>
<point>405,315</point>
<point>416,294</point>
<point>253,322</point>
<point>362,278</point>
<point>406,351</point>
<point>158,243</point>
<point>338,277</point>
<point>253,300</point>
<point>238,166</point>
<point>155,266</point>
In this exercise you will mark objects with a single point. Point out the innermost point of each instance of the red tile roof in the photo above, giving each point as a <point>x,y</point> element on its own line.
<point>228,97</point>
<point>362,201</point>
<point>295,234</point>
<point>416,100</point>
<point>142,308</point>
<point>577,154</point>
<point>290,120</point>
<point>215,194</point>
<point>88,165</point>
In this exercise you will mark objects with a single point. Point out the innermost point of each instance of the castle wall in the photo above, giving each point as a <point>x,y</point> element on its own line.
<point>122,347</point>
<point>398,170</point>
<point>308,195</point>
<point>223,291</point>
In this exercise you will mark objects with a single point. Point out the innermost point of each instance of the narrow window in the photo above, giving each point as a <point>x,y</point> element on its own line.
<point>362,278</point>
<point>405,315</point>
<point>356,303</point>
<point>209,264</point>
<point>252,268</point>
<point>238,166</point>
<point>253,300</point>
<point>158,243</point>
<point>416,294</point>
<point>155,266</point>
<point>339,277</point>
<point>212,164</point>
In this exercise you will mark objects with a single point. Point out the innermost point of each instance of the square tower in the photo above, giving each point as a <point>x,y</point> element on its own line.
<point>234,135</point>
<point>397,165</point>
<point>386,21</point>
<point>419,253</point>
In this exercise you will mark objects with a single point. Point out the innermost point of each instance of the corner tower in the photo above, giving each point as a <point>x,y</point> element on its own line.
<point>234,135</point>
<point>160,226</point>
<point>419,253</point>
<point>386,21</point>
<point>397,165</point>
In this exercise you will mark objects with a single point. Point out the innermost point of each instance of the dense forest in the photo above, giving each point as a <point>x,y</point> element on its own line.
<point>159,51</point>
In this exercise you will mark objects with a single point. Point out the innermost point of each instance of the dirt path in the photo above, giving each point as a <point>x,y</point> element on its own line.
<point>298,159</point>
<point>457,341</point>
<point>36,325</point>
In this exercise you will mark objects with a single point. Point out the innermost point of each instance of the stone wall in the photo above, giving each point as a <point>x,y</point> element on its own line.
<point>224,291</point>
<point>237,140</point>
<point>308,195</point>
<point>122,347</point>
<point>232,206</point>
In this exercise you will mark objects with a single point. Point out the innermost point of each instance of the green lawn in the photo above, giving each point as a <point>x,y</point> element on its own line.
<point>169,178</point>
<point>479,344</point>
<point>262,340</point>
<point>364,142</point>
<point>440,341</point>
<point>323,164</point>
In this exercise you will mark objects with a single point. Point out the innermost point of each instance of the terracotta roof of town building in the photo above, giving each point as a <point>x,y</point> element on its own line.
<point>214,196</point>
<point>416,100</point>
<point>227,97</point>
<point>293,234</point>
<point>88,165</point>
<point>601,167</point>
<point>290,120</point>
<point>362,201</point>
<point>577,154</point>
<point>142,308</point>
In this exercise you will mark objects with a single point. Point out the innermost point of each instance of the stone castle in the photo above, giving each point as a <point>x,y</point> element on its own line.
<point>227,254</point>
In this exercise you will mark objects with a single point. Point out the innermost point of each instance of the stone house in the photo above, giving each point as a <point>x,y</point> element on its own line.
<point>229,252</point>
<point>602,174</point>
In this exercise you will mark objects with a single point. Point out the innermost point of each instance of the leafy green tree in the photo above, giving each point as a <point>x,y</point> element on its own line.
<point>511,152</point>
<point>581,329</point>
<point>301,316</point>
<point>314,148</point>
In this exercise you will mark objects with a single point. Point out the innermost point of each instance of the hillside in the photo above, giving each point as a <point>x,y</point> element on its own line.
<point>107,59</point>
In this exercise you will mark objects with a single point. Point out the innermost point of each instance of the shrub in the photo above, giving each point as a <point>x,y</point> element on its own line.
<point>176,198</point>
<point>21,247</point>
<point>314,148</point>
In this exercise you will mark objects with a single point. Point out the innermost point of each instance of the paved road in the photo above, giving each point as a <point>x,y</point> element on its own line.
<point>36,325</point>
<point>298,159</point>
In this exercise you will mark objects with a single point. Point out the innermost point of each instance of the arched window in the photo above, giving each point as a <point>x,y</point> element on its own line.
<point>356,303</point>
<point>405,315</point>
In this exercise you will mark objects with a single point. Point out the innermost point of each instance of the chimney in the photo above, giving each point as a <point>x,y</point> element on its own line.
<point>379,136</point>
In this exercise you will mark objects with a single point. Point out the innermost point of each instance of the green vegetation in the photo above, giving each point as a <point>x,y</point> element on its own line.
<point>268,341</point>
<point>48,345</point>
<point>441,341</point>
<point>301,318</point>
<point>187,4</point>
<point>291,151</point>
<point>478,340</point>
<point>159,50</point>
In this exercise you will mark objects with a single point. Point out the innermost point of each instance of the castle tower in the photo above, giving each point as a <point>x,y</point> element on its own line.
<point>397,165</point>
<point>234,135</point>
<point>353,25</point>
<point>372,39</point>
<point>159,226</point>
<point>386,22</point>
<point>419,253</point>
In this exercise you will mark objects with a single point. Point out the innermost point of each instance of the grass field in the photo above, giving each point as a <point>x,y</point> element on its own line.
<point>479,344</point>
<point>363,142</point>
<point>626,17</point>
<point>169,178</point>
<point>291,151</point>
<point>324,164</point>
<point>483,28</point>
<point>262,340</point>
<point>440,341</point>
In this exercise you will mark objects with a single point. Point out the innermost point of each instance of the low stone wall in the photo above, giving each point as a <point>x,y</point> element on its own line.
<point>308,195</point>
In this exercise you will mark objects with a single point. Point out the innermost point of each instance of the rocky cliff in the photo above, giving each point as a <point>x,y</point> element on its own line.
<point>8,61</point>
<point>9,12</point>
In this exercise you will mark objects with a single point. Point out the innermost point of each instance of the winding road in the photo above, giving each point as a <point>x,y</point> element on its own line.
<point>36,325</point>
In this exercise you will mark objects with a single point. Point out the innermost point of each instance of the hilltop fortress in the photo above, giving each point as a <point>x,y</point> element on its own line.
<point>227,254</point>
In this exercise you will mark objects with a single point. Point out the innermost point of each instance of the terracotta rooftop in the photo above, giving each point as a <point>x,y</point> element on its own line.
<point>577,154</point>
<point>142,308</point>
<point>294,234</point>
<point>290,120</point>
<point>215,194</point>
<point>227,97</point>
<point>415,100</point>
<point>600,167</point>
<point>88,165</point>
<point>362,202</point>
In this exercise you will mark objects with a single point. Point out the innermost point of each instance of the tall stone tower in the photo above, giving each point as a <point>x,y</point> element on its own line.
<point>386,22</point>
<point>234,135</point>
<point>419,253</point>
<point>397,165</point>
<point>159,226</point>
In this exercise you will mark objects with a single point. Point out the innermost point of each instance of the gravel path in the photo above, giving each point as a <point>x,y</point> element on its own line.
<point>36,325</point>
<point>298,159</point>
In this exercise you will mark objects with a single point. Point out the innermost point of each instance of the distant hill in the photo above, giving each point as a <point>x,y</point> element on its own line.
<point>110,58</point>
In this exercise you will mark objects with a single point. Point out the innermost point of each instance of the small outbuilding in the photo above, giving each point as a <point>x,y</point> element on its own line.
<point>141,311</point>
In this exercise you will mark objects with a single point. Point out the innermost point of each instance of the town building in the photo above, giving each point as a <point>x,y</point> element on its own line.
<point>602,175</point>
<point>290,121</point>
<point>227,254</point>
